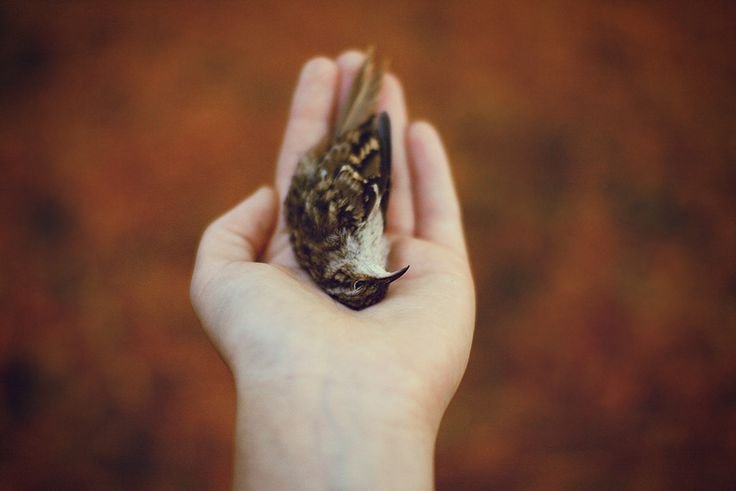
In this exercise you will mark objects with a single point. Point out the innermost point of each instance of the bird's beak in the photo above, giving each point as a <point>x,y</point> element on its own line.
<point>393,276</point>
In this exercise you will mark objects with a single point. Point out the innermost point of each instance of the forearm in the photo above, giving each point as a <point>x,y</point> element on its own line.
<point>316,435</point>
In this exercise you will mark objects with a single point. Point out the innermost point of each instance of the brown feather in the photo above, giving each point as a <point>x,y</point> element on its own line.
<point>361,100</point>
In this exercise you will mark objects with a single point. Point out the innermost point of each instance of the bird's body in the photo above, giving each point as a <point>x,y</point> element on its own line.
<point>337,202</point>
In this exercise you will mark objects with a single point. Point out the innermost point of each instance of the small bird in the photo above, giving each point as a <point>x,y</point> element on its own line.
<point>337,202</point>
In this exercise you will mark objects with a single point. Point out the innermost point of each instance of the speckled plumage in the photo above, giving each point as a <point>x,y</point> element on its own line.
<point>337,202</point>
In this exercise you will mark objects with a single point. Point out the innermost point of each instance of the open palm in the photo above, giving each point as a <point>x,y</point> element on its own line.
<point>273,325</point>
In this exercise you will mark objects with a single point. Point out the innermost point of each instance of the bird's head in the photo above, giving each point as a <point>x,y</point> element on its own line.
<point>359,290</point>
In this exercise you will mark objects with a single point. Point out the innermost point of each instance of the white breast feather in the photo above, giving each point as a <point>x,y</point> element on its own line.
<point>367,248</point>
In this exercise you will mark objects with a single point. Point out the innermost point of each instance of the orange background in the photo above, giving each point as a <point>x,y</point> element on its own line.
<point>593,145</point>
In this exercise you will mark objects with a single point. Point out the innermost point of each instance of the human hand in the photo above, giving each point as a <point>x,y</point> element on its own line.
<point>298,355</point>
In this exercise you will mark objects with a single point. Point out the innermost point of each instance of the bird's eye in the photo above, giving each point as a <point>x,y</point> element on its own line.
<point>358,284</point>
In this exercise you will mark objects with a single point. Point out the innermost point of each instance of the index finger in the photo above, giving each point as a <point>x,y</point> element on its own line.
<point>309,119</point>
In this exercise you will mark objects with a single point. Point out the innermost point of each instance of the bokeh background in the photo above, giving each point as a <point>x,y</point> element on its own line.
<point>595,152</point>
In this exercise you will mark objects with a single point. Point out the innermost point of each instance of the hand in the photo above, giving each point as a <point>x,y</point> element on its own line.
<point>369,387</point>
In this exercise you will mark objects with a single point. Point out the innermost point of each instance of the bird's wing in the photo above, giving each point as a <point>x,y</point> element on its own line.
<point>360,166</point>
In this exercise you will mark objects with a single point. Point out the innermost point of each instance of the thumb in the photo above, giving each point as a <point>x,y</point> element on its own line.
<point>240,234</point>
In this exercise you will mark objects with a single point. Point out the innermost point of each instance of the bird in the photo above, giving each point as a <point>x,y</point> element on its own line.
<point>338,197</point>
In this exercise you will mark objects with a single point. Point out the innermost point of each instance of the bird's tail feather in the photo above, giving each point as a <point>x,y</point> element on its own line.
<point>361,100</point>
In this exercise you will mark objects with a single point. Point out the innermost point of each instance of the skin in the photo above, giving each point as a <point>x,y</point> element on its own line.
<point>329,397</point>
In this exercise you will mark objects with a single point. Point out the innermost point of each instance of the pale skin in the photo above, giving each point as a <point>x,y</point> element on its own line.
<point>331,398</point>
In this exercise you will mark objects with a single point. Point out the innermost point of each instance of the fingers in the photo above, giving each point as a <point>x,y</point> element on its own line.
<point>241,233</point>
<point>400,208</point>
<point>309,120</point>
<point>437,208</point>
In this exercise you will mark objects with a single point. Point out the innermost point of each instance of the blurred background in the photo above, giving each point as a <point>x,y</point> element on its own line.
<point>593,145</point>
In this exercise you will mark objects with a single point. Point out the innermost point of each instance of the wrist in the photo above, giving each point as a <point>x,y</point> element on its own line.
<point>322,431</point>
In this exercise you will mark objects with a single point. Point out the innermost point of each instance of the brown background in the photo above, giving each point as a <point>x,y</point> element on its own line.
<point>594,148</point>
